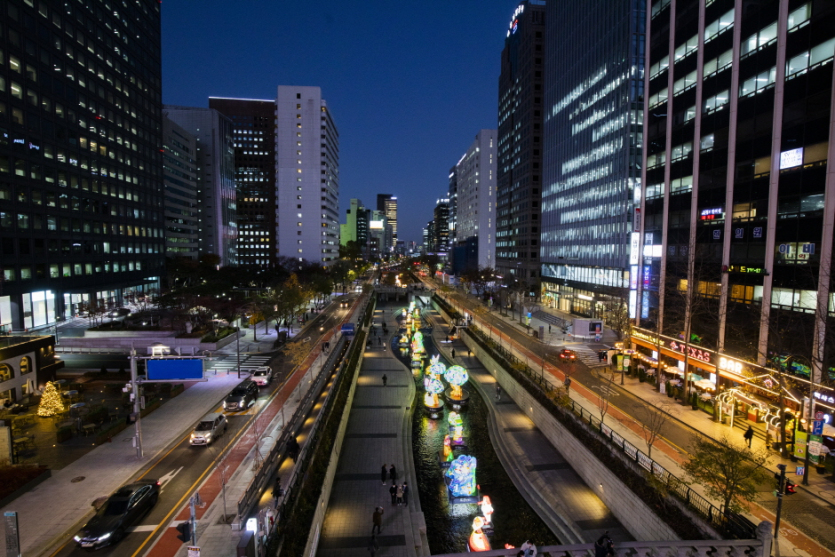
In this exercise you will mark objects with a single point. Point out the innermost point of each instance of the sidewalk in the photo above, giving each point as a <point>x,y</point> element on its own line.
<point>574,511</point>
<point>107,467</point>
<point>379,432</point>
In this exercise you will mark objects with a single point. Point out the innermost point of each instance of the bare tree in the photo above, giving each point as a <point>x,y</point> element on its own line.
<point>653,419</point>
<point>605,391</point>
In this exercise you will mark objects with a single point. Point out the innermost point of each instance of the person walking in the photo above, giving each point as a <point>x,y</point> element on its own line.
<point>385,379</point>
<point>393,473</point>
<point>549,328</point>
<point>384,474</point>
<point>498,391</point>
<point>373,546</point>
<point>748,435</point>
<point>393,493</point>
<point>276,492</point>
<point>453,353</point>
<point>469,353</point>
<point>399,492</point>
<point>377,519</point>
<point>405,493</point>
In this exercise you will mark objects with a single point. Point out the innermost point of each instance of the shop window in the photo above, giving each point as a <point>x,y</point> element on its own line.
<point>6,373</point>
<point>25,365</point>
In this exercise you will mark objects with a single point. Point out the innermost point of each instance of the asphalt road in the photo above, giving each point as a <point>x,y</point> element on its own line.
<point>183,464</point>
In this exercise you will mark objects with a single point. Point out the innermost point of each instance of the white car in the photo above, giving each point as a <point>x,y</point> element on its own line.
<point>262,376</point>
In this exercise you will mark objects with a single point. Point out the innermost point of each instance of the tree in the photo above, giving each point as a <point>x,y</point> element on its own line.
<point>51,402</point>
<point>653,418</point>
<point>605,390</point>
<point>729,474</point>
<point>617,317</point>
<point>296,352</point>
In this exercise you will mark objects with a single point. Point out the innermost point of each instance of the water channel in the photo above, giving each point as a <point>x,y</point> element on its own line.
<point>449,525</point>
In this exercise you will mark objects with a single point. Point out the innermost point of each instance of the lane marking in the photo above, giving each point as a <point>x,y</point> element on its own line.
<point>163,480</point>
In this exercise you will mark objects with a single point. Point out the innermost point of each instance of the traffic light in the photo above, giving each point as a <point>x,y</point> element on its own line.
<point>184,529</point>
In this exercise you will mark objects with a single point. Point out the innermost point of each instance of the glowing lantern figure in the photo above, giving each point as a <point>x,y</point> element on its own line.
<point>456,376</point>
<point>487,510</point>
<point>436,367</point>
<point>462,476</point>
<point>457,426</point>
<point>433,388</point>
<point>478,539</point>
<point>447,449</point>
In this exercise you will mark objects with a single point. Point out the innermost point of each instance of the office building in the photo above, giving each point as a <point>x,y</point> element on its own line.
<point>592,152</point>
<point>217,198</point>
<point>475,178</point>
<point>452,196</point>
<point>355,228</point>
<point>440,243</point>
<point>387,203</point>
<point>253,141</point>
<point>307,176</point>
<point>739,196</point>
<point>81,194</point>
<point>180,177</point>
<point>519,167</point>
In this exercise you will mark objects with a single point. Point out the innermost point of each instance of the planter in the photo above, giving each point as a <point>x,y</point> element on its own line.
<point>64,434</point>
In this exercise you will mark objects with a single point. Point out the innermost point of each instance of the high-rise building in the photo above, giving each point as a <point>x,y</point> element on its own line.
<point>307,175</point>
<point>387,203</point>
<point>181,177</point>
<point>81,195</point>
<point>739,196</point>
<point>475,176</point>
<point>355,228</point>
<point>592,152</point>
<point>253,141</point>
<point>441,228</point>
<point>217,205</point>
<point>519,168</point>
<point>452,195</point>
<point>379,234</point>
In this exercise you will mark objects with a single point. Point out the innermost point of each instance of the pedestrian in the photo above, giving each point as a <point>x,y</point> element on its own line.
<point>749,435</point>
<point>373,546</point>
<point>385,379</point>
<point>276,491</point>
<point>399,492</point>
<point>469,353</point>
<point>528,549</point>
<point>393,493</point>
<point>405,493</point>
<point>453,353</point>
<point>604,546</point>
<point>381,340</point>
<point>384,474</point>
<point>447,338</point>
<point>549,329</point>
<point>498,391</point>
<point>393,473</point>
<point>377,519</point>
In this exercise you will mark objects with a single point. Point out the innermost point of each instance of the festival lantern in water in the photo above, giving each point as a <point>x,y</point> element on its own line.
<point>447,449</point>
<point>433,388</point>
<point>436,368</point>
<point>456,376</point>
<point>456,426</point>
<point>478,539</point>
<point>487,509</point>
<point>461,473</point>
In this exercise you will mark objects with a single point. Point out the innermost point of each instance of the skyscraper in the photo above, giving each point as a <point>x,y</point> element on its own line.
<point>81,195</point>
<point>387,203</point>
<point>215,158</point>
<point>519,167</point>
<point>180,177</point>
<point>253,141</point>
<point>307,175</point>
<point>592,153</point>
<point>739,195</point>
<point>475,176</point>
<point>355,228</point>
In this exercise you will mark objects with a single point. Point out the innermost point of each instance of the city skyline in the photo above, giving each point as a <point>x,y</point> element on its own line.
<point>437,106</point>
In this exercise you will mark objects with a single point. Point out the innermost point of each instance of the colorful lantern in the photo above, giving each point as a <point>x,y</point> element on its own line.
<point>462,476</point>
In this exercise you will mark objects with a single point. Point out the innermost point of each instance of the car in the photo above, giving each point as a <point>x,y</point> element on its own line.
<point>242,397</point>
<point>344,304</point>
<point>121,511</point>
<point>118,314</point>
<point>262,376</point>
<point>568,355</point>
<point>210,427</point>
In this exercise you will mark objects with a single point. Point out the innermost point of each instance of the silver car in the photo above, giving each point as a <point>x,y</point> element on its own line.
<point>209,428</point>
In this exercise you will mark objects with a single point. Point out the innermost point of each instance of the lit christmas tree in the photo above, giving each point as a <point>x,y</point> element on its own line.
<point>51,402</point>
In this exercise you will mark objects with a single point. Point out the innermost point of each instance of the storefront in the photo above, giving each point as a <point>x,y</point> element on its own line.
<point>575,301</point>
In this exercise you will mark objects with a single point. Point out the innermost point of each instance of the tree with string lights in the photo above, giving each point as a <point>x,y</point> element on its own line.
<point>51,402</point>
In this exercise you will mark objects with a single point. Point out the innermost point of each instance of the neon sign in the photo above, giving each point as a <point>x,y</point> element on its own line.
<point>730,365</point>
<point>514,20</point>
<point>691,352</point>
<point>823,397</point>
<point>711,214</point>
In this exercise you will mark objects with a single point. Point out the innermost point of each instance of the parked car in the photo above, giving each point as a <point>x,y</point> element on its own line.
<point>242,397</point>
<point>262,376</point>
<point>209,428</point>
<point>118,314</point>
<point>121,511</point>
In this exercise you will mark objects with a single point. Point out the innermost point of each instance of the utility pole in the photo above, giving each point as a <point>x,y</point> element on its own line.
<point>781,488</point>
<point>193,520</point>
<point>238,345</point>
<point>137,409</point>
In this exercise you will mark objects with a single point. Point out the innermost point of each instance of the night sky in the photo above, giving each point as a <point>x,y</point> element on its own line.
<point>409,83</point>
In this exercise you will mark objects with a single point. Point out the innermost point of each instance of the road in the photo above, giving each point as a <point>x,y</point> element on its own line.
<point>182,467</point>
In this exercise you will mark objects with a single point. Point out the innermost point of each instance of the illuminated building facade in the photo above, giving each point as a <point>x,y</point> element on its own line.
<point>180,176</point>
<point>519,167</point>
<point>592,155</point>
<point>387,203</point>
<point>739,197</point>
<point>475,176</point>
<point>81,188</point>
<point>355,228</point>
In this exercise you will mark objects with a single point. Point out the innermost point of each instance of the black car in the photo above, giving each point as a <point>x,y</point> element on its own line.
<point>121,511</point>
<point>242,397</point>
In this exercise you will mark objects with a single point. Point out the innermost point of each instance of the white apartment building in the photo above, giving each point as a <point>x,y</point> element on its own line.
<point>307,176</point>
<point>475,176</point>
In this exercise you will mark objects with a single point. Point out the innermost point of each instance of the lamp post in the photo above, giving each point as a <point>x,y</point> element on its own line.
<point>238,346</point>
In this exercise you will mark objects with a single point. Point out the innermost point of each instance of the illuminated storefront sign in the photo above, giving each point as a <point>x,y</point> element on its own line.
<point>730,365</point>
<point>823,397</point>
<point>514,20</point>
<point>711,214</point>
<point>635,248</point>
<point>692,352</point>
<point>746,270</point>
<point>792,158</point>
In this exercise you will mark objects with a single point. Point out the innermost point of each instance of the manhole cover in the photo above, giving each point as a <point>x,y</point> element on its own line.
<point>77,479</point>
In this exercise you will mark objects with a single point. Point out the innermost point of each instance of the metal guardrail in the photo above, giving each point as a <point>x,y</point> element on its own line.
<point>273,459</point>
<point>728,522</point>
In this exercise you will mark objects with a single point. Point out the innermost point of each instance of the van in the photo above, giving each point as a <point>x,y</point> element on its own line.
<point>262,376</point>
<point>209,428</point>
<point>242,397</point>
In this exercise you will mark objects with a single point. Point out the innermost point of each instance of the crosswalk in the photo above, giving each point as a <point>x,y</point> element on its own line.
<point>230,363</point>
<point>586,355</point>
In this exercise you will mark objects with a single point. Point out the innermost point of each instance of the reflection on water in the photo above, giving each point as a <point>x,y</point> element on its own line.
<point>448,525</point>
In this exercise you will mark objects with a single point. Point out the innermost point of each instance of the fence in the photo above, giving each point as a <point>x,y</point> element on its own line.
<point>535,382</point>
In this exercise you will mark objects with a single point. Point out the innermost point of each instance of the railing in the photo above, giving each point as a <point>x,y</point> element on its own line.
<point>729,523</point>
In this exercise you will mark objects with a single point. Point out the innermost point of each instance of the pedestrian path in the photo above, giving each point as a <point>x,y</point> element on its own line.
<point>562,499</point>
<point>378,433</point>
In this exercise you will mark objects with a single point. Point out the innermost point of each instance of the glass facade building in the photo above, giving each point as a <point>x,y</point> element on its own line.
<point>740,196</point>
<point>180,175</point>
<point>592,151</point>
<point>81,189</point>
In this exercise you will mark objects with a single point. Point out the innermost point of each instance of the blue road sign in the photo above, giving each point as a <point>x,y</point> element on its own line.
<point>817,427</point>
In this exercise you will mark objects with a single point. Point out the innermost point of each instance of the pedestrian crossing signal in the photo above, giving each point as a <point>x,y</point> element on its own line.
<point>184,529</point>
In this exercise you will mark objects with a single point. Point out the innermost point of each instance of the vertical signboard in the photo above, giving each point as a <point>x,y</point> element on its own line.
<point>12,534</point>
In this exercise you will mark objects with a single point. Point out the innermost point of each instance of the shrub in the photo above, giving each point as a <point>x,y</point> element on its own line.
<point>13,477</point>
<point>64,434</point>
